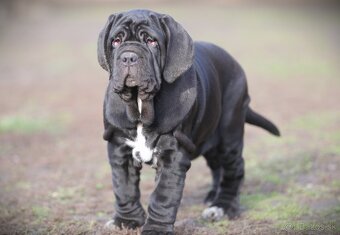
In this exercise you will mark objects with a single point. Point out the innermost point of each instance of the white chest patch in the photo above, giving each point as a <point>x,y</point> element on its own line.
<point>140,151</point>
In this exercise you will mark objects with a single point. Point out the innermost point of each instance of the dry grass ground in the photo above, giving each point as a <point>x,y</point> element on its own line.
<point>54,175</point>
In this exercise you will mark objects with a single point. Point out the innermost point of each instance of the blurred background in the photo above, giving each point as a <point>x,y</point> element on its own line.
<point>54,173</point>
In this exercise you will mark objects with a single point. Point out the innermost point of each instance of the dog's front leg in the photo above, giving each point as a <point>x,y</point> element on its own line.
<point>173,163</point>
<point>125,177</point>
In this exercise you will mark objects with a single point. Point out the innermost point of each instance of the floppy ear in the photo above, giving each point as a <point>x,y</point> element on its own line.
<point>179,49</point>
<point>102,44</point>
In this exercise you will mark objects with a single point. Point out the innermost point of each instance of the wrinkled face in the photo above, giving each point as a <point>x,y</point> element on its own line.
<point>142,49</point>
<point>135,49</point>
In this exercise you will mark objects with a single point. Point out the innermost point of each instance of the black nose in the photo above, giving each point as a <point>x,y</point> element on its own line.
<point>129,58</point>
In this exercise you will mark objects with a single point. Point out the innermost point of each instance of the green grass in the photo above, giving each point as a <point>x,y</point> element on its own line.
<point>333,212</point>
<point>279,170</point>
<point>295,193</point>
<point>221,227</point>
<point>284,68</point>
<point>308,191</point>
<point>335,184</point>
<point>24,124</point>
<point>330,218</point>
<point>288,159</point>
<point>251,200</point>
<point>65,194</point>
<point>24,185</point>
<point>321,130</point>
<point>274,207</point>
<point>99,186</point>
<point>40,212</point>
<point>315,122</point>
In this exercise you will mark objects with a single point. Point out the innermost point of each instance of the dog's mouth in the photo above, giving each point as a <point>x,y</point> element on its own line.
<point>133,89</point>
<point>131,82</point>
<point>126,88</point>
<point>129,93</point>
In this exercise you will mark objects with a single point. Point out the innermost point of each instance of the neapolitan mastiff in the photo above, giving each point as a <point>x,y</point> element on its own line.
<point>169,100</point>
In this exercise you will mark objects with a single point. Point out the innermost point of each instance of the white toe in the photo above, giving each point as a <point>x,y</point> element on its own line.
<point>213,213</point>
<point>110,224</point>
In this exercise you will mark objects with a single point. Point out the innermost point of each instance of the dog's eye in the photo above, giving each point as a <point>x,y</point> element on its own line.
<point>152,42</point>
<point>116,42</point>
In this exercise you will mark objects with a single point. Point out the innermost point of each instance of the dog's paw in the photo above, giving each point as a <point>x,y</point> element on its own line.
<point>111,225</point>
<point>234,210</point>
<point>213,213</point>
<point>119,224</point>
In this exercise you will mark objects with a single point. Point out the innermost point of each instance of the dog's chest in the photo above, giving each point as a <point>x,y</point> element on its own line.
<point>140,151</point>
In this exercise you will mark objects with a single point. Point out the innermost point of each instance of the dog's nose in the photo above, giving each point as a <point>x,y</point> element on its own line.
<point>129,58</point>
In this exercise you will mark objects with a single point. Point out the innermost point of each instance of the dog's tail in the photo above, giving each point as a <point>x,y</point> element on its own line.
<point>256,119</point>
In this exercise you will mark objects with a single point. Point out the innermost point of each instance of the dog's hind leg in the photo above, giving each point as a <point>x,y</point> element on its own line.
<point>216,173</point>
<point>229,153</point>
<point>232,175</point>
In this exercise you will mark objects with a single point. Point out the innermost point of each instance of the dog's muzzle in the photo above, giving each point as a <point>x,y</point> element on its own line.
<point>135,77</point>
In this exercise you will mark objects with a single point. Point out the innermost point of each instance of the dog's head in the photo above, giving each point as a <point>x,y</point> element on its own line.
<point>141,49</point>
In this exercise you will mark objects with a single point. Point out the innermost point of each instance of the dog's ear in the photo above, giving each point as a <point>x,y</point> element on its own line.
<point>103,44</point>
<point>179,49</point>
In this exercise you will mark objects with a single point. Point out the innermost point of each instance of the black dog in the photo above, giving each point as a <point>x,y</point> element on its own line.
<point>168,101</point>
